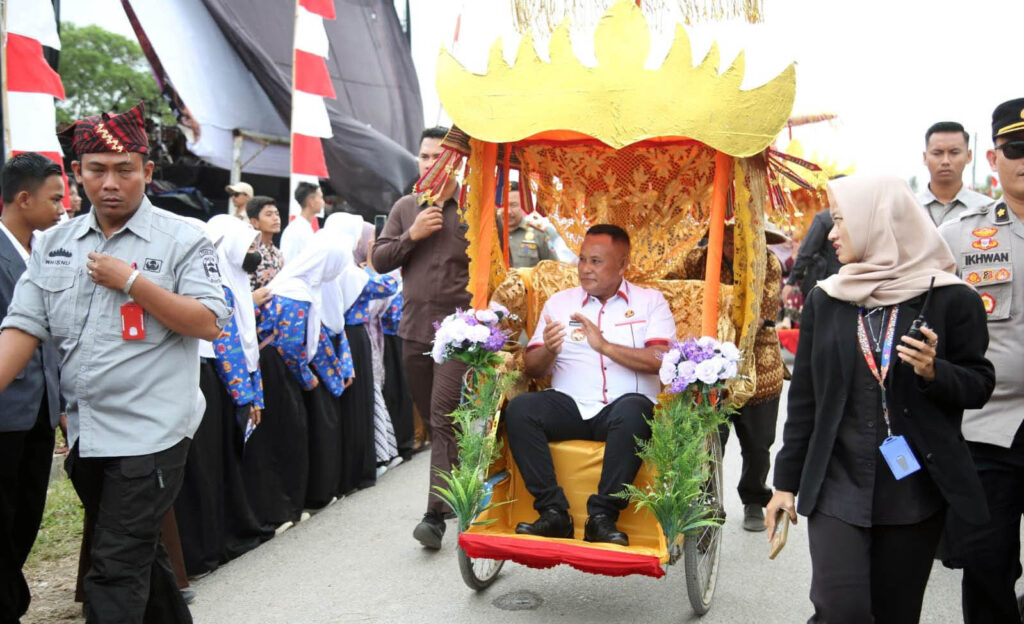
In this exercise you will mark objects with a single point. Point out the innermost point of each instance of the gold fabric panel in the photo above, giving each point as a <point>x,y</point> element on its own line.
<point>750,192</point>
<point>660,194</point>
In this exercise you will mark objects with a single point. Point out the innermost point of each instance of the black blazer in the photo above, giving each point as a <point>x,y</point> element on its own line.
<point>822,377</point>
<point>19,403</point>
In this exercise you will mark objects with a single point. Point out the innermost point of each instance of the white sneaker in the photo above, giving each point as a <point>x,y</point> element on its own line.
<point>284,527</point>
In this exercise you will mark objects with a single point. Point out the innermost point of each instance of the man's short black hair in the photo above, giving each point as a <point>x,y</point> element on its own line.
<point>618,234</point>
<point>303,191</point>
<point>437,132</point>
<point>255,206</point>
<point>513,185</point>
<point>26,172</point>
<point>946,126</point>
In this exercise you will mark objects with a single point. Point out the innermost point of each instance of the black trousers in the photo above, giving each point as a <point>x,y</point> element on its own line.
<point>436,389</point>
<point>990,553</point>
<point>755,427</point>
<point>878,574</point>
<point>534,419</point>
<point>25,458</point>
<point>130,580</point>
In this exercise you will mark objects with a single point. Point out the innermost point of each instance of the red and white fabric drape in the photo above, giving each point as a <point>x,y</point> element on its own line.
<point>32,85</point>
<point>311,84</point>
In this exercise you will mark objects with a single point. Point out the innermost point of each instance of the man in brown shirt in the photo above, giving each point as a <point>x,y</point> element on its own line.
<point>429,244</point>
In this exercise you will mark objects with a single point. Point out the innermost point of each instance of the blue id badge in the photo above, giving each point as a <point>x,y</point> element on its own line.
<point>898,455</point>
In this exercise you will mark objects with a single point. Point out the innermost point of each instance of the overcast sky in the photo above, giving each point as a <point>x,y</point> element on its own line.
<point>888,68</point>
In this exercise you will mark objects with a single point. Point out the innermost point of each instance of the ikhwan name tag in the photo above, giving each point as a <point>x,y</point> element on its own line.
<point>900,458</point>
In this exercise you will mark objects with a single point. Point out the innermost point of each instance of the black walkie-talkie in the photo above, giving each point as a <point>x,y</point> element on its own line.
<point>915,328</point>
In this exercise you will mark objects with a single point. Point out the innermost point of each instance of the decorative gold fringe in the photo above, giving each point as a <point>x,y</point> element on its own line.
<point>541,17</point>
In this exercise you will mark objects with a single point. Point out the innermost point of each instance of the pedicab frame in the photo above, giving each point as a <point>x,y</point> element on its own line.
<point>636,128</point>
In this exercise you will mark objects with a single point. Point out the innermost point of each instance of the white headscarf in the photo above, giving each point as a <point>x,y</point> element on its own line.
<point>233,239</point>
<point>354,278</point>
<point>302,279</point>
<point>897,247</point>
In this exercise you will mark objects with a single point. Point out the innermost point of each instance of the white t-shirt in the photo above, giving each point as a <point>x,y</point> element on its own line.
<point>635,317</point>
<point>295,238</point>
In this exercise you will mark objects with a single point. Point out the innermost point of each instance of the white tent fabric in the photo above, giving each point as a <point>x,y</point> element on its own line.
<point>186,38</point>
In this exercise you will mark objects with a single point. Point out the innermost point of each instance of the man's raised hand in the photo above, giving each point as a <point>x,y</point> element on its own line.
<point>593,333</point>
<point>554,335</point>
<point>428,221</point>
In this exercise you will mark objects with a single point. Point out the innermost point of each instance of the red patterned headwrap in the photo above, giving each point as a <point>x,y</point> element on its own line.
<point>111,133</point>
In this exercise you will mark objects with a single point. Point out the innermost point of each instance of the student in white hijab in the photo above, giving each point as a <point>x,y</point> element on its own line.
<point>214,517</point>
<point>359,286</point>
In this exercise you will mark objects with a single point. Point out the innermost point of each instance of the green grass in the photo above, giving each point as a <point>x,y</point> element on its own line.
<point>60,533</point>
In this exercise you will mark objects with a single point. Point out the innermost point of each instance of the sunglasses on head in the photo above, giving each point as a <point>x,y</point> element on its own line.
<point>1012,149</point>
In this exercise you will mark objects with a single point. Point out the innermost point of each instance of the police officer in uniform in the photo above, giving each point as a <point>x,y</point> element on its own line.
<point>526,245</point>
<point>123,293</point>
<point>988,244</point>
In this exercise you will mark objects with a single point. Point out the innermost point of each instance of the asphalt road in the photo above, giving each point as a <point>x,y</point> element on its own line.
<point>356,561</point>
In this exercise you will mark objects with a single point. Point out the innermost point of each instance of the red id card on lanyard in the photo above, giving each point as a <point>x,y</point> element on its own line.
<point>133,323</point>
<point>133,326</point>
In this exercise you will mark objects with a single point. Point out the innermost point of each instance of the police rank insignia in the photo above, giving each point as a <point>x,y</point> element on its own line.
<point>985,244</point>
<point>989,301</point>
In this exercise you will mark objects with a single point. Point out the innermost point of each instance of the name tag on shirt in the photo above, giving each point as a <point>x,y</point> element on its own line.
<point>576,333</point>
<point>900,458</point>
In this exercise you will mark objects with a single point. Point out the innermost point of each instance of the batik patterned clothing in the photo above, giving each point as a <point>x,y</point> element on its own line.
<point>330,367</point>
<point>271,261</point>
<point>378,287</point>
<point>383,429</point>
<point>285,320</point>
<point>343,352</point>
<point>392,316</point>
<point>243,386</point>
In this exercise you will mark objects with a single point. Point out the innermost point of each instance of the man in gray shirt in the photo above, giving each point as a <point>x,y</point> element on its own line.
<point>123,293</point>
<point>946,154</point>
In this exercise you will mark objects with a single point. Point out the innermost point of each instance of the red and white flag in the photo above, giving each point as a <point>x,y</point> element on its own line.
<point>30,116</point>
<point>311,84</point>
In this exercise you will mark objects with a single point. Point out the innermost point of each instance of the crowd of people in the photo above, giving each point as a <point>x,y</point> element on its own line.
<point>217,388</point>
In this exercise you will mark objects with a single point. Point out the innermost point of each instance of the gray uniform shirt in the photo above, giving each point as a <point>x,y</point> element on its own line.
<point>125,397</point>
<point>943,213</point>
<point>988,244</point>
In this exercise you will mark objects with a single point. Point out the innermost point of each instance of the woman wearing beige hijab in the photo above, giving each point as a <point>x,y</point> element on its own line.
<point>872,453</point>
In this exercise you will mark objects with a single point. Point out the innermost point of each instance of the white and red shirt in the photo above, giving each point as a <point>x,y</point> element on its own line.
<point>635,317</point>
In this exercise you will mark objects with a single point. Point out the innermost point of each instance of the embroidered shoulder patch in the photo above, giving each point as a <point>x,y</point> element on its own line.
<point>210,266</point>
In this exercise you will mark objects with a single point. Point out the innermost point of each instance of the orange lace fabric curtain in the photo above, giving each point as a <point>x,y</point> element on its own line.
<point>642,188</point>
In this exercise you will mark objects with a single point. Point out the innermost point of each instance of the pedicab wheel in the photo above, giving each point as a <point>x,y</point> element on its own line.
<point>478,574</point>
<point>702,550</point>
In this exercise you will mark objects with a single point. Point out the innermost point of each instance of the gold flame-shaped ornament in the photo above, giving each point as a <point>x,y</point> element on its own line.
<point>619,102</point>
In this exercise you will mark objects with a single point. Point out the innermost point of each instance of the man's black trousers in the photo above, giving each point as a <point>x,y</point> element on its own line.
<point>534,419</point>
<point>125,499</point>
<point>990,553</point>
<point>25,459</point>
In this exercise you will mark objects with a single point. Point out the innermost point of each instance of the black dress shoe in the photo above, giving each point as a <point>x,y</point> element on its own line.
<point>430,530</point>
<point>553,522</point>
<point>601,528</point>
